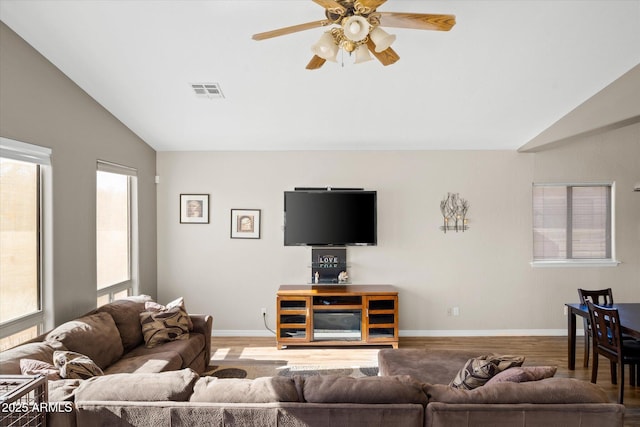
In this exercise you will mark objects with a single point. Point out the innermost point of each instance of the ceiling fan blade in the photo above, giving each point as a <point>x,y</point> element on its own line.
<point>332,6</point>
<point>386,57</point>
<point>417,21</point>
<point>315,63</point>
<point>371,4</point>
<point>288,30</point>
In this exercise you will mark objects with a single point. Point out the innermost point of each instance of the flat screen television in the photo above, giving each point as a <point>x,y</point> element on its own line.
<point>330,218</point>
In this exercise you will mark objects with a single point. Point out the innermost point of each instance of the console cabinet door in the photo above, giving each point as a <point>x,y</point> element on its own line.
<point>381,319</point>
<point>294,320</point>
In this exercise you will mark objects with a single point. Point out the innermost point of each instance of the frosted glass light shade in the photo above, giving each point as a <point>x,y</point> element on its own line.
<point>356,28</point>
<point>326,48</point>
<point>382,39</point>
<point>362,54</point>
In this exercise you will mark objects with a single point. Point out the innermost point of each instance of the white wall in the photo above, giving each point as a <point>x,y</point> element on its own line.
<point>484,271</point>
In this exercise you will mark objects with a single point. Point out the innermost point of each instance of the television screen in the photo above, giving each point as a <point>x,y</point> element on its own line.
<point>330,218</point>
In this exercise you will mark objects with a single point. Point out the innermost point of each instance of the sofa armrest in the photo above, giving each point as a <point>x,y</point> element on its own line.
<point>203,324</point>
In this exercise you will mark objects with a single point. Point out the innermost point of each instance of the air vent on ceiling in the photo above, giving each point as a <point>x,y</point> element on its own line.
<point>207,90</point>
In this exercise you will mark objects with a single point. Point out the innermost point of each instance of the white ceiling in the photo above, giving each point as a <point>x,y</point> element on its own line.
<point>507,71</point>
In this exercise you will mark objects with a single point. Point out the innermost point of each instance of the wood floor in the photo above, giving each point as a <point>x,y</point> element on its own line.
<point>537,350</point>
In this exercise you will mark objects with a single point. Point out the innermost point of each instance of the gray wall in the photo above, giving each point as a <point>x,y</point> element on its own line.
<point>40,105</point>
<point>485,271</point>
<point>610,156</point>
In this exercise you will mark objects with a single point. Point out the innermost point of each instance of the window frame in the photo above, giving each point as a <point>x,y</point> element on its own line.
<point>41,318</point>
<point>130,285</point>
<point>579,262</point>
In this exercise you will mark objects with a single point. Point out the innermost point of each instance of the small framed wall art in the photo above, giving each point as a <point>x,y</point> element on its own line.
<point>194,209</point>
<point>245,223</point>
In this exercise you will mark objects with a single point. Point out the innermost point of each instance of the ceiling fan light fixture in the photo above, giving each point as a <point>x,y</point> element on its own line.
<point>382,39</point>
<point>362,54</point>
<point>356,28</point>
<point>326,47</point>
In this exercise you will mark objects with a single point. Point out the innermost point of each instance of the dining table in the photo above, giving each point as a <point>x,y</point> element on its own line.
<point>629,323</point>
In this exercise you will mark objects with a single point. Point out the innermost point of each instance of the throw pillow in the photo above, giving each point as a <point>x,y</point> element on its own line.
<point>35,367</point>
<point>520,374</point>
<point>178,302</point>
<point>75,365</point>
<point>477,371</point>
<point>126,315</point>
<point>174,386</point>
<point>243,390</point>
<point>164,326</point>
<point>95,335</point>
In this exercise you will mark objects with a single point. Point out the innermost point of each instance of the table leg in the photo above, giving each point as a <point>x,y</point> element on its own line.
<point>571,331</point>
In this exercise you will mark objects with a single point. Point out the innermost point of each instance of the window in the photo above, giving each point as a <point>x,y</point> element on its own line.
<point>22,168</point>
<point>115,229</point>
<point>572,223</point>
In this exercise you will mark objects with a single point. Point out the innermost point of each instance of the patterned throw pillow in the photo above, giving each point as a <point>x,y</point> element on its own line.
<point>75,365</point>
<point>477,371</point>
<point>178,302</point>
<point>163,326</point>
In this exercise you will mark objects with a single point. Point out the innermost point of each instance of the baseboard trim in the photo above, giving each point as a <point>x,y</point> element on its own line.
<point>487,333</point>
<point>425,333</point>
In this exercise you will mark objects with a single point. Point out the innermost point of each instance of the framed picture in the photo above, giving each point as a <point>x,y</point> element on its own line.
<point>245,223</point>
<point>194,209</point>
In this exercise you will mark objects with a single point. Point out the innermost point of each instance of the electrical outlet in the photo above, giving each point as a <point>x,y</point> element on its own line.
<point>456,311</point>
<point>263,311</point>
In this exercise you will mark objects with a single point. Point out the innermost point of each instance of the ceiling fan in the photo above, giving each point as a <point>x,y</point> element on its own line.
<point>356,28</point>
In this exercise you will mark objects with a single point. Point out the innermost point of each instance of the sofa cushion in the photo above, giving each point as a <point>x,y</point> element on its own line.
<point>147,363</point>
<point>339,389</point>
<point>236,390</point>
<point>62,390</point>
<point>126,315</point>
<point>163,386</point>
<point>188,349</point>
<point>478,370</point>
<point>35,367</point>
<point>163,326</point>
<point>10,359</point>
<point>550,390</point>
<point>74,365</point>
<point>520,374</point>
<point>95,336</point>
<point>434,366</point>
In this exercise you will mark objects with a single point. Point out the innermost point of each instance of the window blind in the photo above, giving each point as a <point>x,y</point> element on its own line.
<point>21,151</point>
<point>572,222</point>
<point>104,166</point>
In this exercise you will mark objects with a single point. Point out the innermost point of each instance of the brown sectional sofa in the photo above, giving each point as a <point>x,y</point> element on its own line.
<point>183,398</point>
<point>268,401</point>
<point>547,402</point>
<point>111,336</point>
<point>162,387</point>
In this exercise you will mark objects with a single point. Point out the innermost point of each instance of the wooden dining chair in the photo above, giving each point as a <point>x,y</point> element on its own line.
<point>598,297</point>
<point>608,342</point>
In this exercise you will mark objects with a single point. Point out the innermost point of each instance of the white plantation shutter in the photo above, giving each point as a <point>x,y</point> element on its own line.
<point>572,222</point>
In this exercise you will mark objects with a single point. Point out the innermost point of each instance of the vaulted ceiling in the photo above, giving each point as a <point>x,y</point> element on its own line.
<point>507,71</point>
